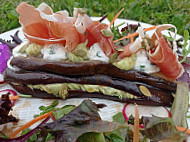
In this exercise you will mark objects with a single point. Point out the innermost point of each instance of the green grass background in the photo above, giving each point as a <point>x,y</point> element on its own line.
<point>155,12</point>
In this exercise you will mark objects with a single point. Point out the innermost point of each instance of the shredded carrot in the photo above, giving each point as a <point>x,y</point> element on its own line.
<point>183,129</point>
<point>14,97</point>
<point>135,34</point>
<point>136,125</point>
<point>131,39</point>
<point>27,125</point>
<point>111,23</point>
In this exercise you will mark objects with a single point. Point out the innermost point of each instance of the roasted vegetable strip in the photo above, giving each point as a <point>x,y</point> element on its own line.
<point>90,68</point>
<point>82,94</point>
<point>135,88</point>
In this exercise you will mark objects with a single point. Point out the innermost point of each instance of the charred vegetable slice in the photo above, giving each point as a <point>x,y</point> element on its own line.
<point>90,68</point>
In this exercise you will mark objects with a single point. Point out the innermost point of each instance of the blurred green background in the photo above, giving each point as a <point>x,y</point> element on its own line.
<point>154,12</point>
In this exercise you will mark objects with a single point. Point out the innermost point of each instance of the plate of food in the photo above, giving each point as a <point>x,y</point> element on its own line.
<point>84,78</point>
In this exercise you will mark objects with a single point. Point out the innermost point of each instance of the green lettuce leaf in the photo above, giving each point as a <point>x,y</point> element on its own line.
<point>83,119</point>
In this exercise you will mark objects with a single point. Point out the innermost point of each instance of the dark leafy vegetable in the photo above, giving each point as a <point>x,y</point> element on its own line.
<point>128,29</point>
<point>118,135</point>
<point>83,119</point>
<point>186,75</point>
<point>104,17</point>
<point>15,41</point>
<point>5,107</point>
<point>180,105</point>
<point>33,137</point>
<point>157,129</point>
<point>92,137</point>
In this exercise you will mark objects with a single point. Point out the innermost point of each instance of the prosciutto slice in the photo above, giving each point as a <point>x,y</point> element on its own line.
<point>42,26</point>
<point>164,56</point>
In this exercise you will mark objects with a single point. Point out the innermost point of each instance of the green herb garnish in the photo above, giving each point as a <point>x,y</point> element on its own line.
<point>46,109</point>
<point>52,51</point>
<point>185,51</point>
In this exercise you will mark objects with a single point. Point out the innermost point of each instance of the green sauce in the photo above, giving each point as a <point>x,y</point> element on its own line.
<point>126,63</point>
<point>61,90</point>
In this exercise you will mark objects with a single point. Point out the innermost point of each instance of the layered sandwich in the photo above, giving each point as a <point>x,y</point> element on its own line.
<point>74,57</point>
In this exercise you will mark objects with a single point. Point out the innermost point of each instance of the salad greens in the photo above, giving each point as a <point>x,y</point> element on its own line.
<point>46,109</point>
<point>5,107</point>
<point>83,123</point>
<point>157,129</point>
<point>185,51</point>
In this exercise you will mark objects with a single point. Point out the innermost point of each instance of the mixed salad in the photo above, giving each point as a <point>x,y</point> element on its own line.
<point>76,57</point>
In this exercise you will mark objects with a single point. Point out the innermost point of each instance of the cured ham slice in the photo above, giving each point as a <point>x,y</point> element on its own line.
<point>164,56</point>
<point>106,43</point>
<point>42,26</point>
<point>68,31</point>
<point>31,21</point>
<point>45,9</point>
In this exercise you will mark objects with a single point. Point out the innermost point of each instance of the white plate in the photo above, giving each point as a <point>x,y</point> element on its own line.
<point>26,108</point>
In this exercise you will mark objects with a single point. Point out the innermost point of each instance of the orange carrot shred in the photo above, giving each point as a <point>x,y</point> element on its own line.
<point>14,97</point>
<point>136,125</point>
<point>27,125</point>
<point>117,15</point>
<point>131,39</point>
<point>135,34</point>
<point>183,129</point>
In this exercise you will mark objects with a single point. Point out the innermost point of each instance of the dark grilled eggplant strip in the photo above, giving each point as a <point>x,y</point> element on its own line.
<point>82,94</point>
<point>90,68</point>
<point>127,86</point>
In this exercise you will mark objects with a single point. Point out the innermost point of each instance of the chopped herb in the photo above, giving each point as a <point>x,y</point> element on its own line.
<point>3,135</point>
<point>142,66</point>
<point>85,33</point>
<point>97,54</point>
<point>185,51</point>
<point>52,50</point>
